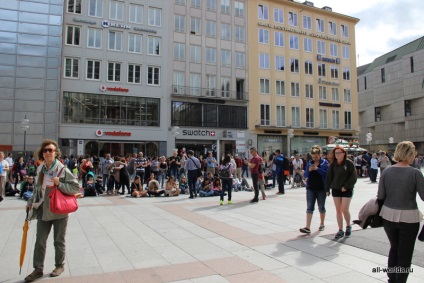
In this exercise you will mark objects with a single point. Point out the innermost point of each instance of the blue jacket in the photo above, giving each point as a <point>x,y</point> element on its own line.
<point>322,170</point>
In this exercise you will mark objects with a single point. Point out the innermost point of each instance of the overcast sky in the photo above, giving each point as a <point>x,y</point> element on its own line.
<point>384,24</point>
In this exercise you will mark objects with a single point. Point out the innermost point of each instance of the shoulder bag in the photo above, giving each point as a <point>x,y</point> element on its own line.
<point>61,203</point>
<point>199,170</point>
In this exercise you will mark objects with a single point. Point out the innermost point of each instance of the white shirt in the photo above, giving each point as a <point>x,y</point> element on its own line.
<point>297,164</point>
<point>9,160</point>
<point>5,165</point>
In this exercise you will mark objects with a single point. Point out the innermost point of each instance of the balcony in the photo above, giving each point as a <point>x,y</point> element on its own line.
<point>195,92</point>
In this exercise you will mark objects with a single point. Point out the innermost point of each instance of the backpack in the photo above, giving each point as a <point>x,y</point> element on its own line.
<point>279,162</point>
<point>225,172</point>
<point>261,168</point>
<point>297,178</point>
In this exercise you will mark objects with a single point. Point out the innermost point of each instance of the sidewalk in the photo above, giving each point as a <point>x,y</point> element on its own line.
<point>118,239</point>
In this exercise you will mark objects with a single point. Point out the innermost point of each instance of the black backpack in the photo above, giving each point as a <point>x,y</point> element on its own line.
<point>261,168</point>
<point>225,172</point>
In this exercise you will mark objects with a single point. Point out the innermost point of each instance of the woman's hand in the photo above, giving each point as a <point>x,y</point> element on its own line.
<point>55,181</point>
<point>28,207</point>
<point>343,189</point>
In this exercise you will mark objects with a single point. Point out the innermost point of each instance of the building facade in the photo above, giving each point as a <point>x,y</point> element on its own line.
<point>301,75</point>
<point>391,98</point>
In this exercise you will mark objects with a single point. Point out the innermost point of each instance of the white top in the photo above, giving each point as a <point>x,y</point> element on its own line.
<point>5,165</point>
<point>297,164</point>
<point>399,215</point>
<point>9,160</point>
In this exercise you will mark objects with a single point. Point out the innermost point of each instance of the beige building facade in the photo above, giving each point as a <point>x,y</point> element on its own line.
<point>301,75</point>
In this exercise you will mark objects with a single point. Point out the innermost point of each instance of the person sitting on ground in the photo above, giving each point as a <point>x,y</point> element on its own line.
<point>137,188</point>
<point>153,187</point>
<point>90,187</point>
<point>183,184</point>
<point>206,188</point>
<point>99,185</point>
<point>171,187</point>
<point>236,184</point>
<point>27,188</point>
<point>217,186</point>
<point>198,184</point>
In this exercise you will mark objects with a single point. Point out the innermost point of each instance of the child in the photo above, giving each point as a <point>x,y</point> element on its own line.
<point>90,188</point>
<point>99,185</point>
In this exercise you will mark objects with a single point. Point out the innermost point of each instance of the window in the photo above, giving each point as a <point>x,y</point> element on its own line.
<point>294,41</point>
<point>308,67</point>
<point>153,75</point>
<point>240,60</point>
<point>344,29</point>
<point>225,58</point>
<point>134,43</point>
<point>264,86</point>
<point>334,70</point>
<point>348,120</point>
<point>155,17</point>
<point>377,111</point>
<point>263,60</point>
<point>93,70</point>
<point>195,27</point>
<point>239,9</point>
<point>153,45</point>
<point>320,25</point>
<point>281,116</point>
<point>134,73</point>
<point>95,8</point>
<point>335,94</point>
<point>309,117</point>
<point>292,19</point>
<point>179,82</point>
<point>179,52</point>
<point>280,88</point>
<point>114,72</point>
<point>240,34</point>
<point>195,54</point>
<point>210,28</point>
<point>322,92</point>
<point>294,65</point>
<point>365,81</point>
<point>116,10</point>
<point>346,74</point>
<point>323,120</point>
<point>307,22</point>
<point>136,14</point>
<point>73,35</point>
<point>195,84</point>
<point>294,89</point>
<point>346,52</point>
<point>295,116</point>
<point>278,16</point>
<point>347,96</point>
<point>263,36</point>
<point>336,119</point>
<point>332,28</point>
<point>280,63</point>
<point>210,85</point>
<point>321,47</point>
<point>334,50</point>
<point>383,75</point>
<point>411,60</point>
<point>321,70</point>
<point>225,87</point>
<point>210,55</point>
<point>225,31</point>
<point>265,121</point>
<point>74,6</point>
<point>309,91</point>
<point>115,40</point>
<point>408,108</point>
<point>196,4</point>
<point>263,12</point>
<point>307,44</point>
<point>225,7</point>
<point>211,5</point>
<point>180,2</point>
<point>179,23</point>
<point>279,38</point>
<point>94,38</point>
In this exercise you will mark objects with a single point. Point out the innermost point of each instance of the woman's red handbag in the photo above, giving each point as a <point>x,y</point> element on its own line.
<point>61,203</point>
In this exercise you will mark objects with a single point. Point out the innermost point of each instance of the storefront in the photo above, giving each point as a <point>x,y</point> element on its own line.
<point>298,144</point>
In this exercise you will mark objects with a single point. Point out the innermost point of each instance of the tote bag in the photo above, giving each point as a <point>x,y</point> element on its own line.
<point>61,203</point>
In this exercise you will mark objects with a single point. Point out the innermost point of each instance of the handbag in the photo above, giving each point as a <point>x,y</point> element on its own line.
<point>61,203</point>
<point>199,170</point>
<point>23,172</point>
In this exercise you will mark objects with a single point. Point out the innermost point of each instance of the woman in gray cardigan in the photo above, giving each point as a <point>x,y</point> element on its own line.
<point>398,188</point>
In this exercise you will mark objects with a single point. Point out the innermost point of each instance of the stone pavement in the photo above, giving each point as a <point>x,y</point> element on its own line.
<point>118,239</point>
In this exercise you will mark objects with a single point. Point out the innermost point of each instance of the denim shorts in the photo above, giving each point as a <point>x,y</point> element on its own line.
<point>319,197</point>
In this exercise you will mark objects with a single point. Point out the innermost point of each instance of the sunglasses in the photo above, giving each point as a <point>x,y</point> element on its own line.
<point>49,150</point>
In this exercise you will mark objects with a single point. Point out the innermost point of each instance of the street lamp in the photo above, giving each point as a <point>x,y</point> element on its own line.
<point>369,139</point>
<point>25,127</point>
<point>175,133</point>
<point>290,135</point>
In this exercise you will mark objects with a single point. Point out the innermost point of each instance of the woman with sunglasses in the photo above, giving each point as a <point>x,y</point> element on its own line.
<point>341,178</point>
<point>50,173</point>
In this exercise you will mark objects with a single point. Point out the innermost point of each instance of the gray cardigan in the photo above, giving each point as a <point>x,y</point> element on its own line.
<point>398,187</point>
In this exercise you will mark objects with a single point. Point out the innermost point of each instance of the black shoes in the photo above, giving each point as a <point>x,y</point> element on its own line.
<point>37,273</point>
<point>255,200</point>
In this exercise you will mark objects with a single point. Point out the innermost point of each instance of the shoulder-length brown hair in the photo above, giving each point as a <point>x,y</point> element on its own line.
<point>46,142</point>
<point>333,154</point>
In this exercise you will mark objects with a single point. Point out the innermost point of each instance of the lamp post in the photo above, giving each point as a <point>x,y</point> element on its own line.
<point>175,133</point>
<point>369,139</point>
<point>290,135</point>
<point>25,127</point>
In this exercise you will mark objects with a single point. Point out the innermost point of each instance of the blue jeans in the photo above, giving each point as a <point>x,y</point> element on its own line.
<point>226,186</point>
<point>319,197</point>
<point>174,172</point>
<point>244,169</point>
<point>206,194</point>
<point>161,178</point>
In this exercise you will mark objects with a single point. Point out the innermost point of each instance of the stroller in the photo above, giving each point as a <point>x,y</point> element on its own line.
<point>90,189</point>
<point>297,180</point>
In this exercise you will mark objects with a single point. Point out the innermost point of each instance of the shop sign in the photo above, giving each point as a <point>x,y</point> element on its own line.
<point>197,133</point>
<point>117,89</point>
<point>240,145</point>
<point>106,24</point>
<point>84,21</point>
<point>100,133</point>
<point>80,147</point>
<point>321,81</point>
<point>145,30</point>
<point>240,134</point>
<point>228,134</point>
<point>329,60</point>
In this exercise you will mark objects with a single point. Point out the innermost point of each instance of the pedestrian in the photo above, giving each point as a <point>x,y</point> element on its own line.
<point>245,168</point>
<point>373,168</point>
<point>278,163</point>
<point>383,161</point>
<point>4,169</point>
<point>253,164</point>
<point>140,165</point>
<point>315,174</point>
<point>341,178</point>
<point>50,173</point>
<point>192,166</point>
<point>226,170</point>
<point>105,172</point>
<point>398,188</point>
<point>211,163</point>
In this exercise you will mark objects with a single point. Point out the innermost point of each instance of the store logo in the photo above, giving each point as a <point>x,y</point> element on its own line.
<point>118,89</point>
<point>105,24</point>
<point>100,133</point>
<point>202,133</point>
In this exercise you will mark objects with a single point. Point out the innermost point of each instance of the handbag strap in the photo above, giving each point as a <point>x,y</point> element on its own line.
<point>194,163</point>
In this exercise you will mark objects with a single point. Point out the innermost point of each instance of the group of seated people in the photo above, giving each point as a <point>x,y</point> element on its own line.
<point>25,190</point>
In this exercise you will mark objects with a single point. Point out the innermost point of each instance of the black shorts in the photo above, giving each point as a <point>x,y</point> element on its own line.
<point>340,194</point>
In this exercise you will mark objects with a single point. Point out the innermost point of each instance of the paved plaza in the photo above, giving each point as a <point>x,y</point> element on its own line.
<point>176,239</point>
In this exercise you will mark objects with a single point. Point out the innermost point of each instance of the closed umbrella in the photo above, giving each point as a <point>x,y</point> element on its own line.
<point>23,243</point>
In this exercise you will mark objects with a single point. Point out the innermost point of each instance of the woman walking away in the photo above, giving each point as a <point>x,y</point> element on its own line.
<point>226,170</point>
<point>50,173</point>
<point>398,189</point>
<point>341,178</point>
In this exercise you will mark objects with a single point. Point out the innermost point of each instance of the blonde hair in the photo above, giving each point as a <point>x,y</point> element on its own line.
<point>316,149</point>
<point>405,151</point>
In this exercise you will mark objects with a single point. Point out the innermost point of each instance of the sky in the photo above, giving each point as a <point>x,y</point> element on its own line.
<point>384,24</point>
